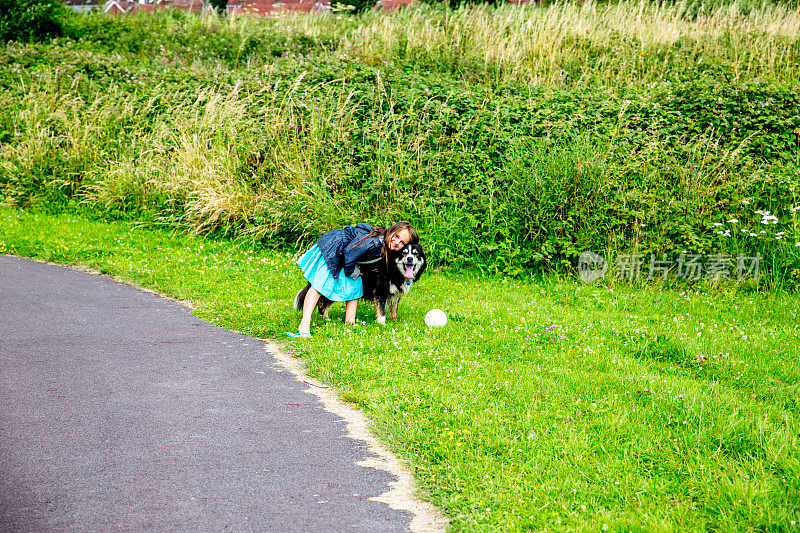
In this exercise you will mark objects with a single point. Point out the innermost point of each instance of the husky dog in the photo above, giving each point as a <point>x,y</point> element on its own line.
<point>383,282</point>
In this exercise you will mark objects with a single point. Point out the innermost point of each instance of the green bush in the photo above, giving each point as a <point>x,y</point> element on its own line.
<point>263,133</point>
<point>31,20</point>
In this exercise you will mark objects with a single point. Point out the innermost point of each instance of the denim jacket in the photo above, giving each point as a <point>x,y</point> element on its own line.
<point>338,250</point>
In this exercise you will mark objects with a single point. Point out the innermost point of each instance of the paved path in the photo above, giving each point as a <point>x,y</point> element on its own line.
<point>119,410</point>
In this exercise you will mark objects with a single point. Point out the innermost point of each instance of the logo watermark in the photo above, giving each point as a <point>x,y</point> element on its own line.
<point>591,267</point>
<point>686,267</point>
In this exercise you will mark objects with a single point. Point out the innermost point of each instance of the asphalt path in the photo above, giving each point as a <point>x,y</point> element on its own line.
<point>119,410</point>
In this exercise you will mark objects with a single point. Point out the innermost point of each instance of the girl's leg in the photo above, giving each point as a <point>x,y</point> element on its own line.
<point>350,311</point>
<point>309,304</point>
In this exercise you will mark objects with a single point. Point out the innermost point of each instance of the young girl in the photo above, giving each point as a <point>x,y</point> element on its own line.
<point>331,265</point>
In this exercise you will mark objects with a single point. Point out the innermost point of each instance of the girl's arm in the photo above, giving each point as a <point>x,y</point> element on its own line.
<point>368,249</point>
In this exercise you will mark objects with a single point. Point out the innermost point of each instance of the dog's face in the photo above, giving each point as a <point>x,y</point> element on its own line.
<point>410,261</point>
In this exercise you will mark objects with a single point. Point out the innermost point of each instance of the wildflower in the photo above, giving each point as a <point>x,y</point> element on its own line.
<point>732,221</point>
<point>717,224</point>
<point>745,202</point>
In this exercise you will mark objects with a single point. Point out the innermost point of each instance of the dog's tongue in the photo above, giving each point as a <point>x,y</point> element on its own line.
<point>409,271</point>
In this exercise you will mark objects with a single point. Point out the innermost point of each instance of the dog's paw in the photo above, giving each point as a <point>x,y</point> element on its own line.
<point>381,320</point>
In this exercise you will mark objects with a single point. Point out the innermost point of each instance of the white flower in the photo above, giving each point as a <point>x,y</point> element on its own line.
<point>797,244</point>
<point>754,235</point>
<point>717,224</point>
<point>732,221</point>
<point>745,202</point>
<point>720,233</point>
<point>780,233</point>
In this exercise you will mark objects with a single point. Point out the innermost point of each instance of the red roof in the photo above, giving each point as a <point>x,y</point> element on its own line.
<point>147,8</point>
<point>117,7</point>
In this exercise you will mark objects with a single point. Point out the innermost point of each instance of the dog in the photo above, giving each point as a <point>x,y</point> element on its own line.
<point>384,283</point>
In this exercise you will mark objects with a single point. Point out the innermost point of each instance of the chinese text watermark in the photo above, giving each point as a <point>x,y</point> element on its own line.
<point>686,267</point>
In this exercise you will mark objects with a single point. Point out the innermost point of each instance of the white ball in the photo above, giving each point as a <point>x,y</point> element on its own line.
<point>435,318</point>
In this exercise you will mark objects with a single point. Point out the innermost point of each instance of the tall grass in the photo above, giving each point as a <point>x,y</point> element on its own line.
<point>281,129</point>
<point>629,42</point>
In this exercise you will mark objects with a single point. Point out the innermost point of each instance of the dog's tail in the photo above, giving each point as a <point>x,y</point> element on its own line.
<point>300,298</point>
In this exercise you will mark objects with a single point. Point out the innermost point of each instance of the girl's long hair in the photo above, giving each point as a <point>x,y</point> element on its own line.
<point>387,234</point>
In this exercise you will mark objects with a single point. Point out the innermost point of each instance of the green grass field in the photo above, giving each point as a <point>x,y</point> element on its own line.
<point>548,405</point>
<point>513,138</point>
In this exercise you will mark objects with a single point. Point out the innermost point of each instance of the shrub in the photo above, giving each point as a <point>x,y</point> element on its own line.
<point>31,20</point>
<point>256,130</point>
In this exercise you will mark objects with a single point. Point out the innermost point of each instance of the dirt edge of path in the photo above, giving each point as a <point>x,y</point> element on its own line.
<point>401,493</point>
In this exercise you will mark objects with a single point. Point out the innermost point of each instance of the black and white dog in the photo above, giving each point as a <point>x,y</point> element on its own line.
<point>383,283</point>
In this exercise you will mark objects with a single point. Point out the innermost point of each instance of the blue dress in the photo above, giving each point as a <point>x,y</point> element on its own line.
<point>338,289</point>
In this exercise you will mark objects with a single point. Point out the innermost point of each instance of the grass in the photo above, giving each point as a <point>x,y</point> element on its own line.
<point>564,43</point>
<point>512,138</point>
<point>542,405</point>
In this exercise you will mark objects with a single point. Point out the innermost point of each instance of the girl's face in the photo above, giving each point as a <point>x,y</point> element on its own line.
<point>399,239</point>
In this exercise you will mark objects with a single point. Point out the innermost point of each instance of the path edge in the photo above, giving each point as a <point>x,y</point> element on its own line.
<point>401,493</point>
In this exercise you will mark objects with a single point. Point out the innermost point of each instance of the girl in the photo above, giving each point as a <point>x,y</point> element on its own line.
<point>331,265</point>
